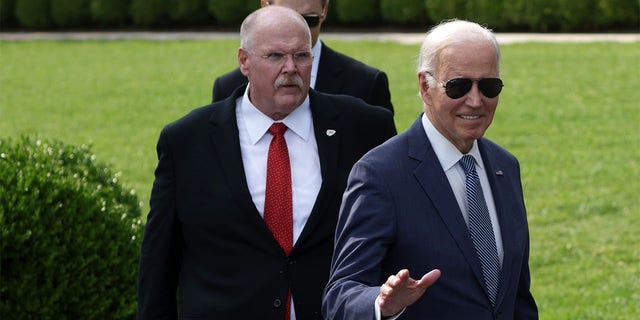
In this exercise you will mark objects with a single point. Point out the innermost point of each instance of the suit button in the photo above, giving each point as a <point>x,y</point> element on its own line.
<point>277,303</point>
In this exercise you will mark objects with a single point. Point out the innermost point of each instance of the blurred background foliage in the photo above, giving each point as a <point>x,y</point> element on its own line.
<point>500,15</point>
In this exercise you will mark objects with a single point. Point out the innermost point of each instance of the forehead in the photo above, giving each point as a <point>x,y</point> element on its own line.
<point>470,59</point>
<point>283,36</point>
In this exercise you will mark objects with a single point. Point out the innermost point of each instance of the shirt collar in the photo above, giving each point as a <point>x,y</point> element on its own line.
<point>447,153</point>
<point>257,123</point>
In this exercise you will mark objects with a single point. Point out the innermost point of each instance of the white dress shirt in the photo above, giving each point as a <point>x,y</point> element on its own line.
<point>449,155</point>
<point>255,139</point>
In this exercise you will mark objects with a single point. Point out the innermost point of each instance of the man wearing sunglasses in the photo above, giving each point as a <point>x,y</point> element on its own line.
<point>433,223</point>
<point>331,72</point>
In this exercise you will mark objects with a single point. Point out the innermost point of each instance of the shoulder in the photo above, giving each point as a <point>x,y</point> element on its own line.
<point>194,119</point>
<point>349,106</point>
<point>233,75</point>
<point>350,63</point>
<point>490,147</point>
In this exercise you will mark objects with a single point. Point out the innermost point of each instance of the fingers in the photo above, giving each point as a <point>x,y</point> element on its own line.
<point>429,279</point>
<point>397,279</point>
<point>400,290</point>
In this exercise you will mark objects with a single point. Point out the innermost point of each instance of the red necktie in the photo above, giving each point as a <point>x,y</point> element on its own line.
<point>277,202</point>
<point>278,212</point>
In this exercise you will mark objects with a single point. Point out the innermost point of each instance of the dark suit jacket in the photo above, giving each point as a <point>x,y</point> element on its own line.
<point>399,211</point>
<point>337,74</point>
<point>204,237</point>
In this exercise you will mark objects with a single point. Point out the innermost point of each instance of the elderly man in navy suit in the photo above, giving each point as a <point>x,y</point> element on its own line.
<point>433,222</point>
<point>331,72</point>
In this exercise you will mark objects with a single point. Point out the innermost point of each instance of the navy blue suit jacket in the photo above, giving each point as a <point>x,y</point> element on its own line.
<point>399,211</point>
<point>337,74</point>
<point>207,253</point>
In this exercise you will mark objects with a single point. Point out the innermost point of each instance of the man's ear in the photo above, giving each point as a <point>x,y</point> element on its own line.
<point>425,93</point>
<point>325,11</point>
<point>243,58</point>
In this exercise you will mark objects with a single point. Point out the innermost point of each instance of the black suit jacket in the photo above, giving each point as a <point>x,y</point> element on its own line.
<point>337,74</point>
<point>206,241</point>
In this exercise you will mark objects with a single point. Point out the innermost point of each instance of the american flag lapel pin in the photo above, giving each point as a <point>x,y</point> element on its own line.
<point>499,173</point>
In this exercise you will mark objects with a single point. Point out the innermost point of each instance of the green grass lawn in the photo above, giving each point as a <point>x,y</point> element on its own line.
<point>569,111</point>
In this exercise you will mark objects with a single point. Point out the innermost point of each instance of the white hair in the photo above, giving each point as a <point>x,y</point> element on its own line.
<point>448,33</point>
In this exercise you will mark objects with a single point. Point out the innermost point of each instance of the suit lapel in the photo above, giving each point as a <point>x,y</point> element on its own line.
<point>226,143</point>
<point>432,178</point>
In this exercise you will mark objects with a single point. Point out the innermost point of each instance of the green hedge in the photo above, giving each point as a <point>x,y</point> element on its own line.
<point>407,12</point>
<point>149,13</point>
<point>501,15</point>
<point>7,16</point>
<point>231,13</point>
<point>70,13</point>
<point>33,13</point>
<point>70,234</point>
<point>110,12</point>
<point>357,12</point>
<point>185,12</point>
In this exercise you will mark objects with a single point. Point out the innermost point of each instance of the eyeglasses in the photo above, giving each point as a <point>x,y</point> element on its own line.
<point>300,58</point>
<point>313,20</point>
<point>458,87</point>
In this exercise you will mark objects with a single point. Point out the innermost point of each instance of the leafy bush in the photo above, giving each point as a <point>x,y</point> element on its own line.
<point>147,13</point>
<point>490,13</point>
<point>485,12</point>
<point>70,234</point>
<point>7,9</point>
<point>70,13</point>
<point>188,11</point>
<point>33,13</point>
<point>231,13</point>
<point>618,14</point>
<point>110,12</point>
<point>357,11</point>
<point>407,12</point>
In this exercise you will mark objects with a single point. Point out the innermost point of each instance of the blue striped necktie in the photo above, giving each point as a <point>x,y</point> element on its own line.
<point>480,228</point>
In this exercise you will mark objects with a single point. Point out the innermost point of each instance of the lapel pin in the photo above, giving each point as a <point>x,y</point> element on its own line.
<point>499,173</point>
<point>330,132</point>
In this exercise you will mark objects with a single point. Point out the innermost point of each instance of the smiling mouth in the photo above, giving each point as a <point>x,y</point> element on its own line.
<point>469,117</point>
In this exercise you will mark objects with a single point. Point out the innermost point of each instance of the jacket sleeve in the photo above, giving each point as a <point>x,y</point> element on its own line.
<point>363,234</point>
<point>160,255</point>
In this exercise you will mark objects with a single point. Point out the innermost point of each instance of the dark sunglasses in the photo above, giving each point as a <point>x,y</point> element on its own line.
<point>313,20</point>
<point>458,87</point>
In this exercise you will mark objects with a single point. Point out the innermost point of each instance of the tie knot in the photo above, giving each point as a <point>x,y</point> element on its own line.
<point>277,128</point>
<point>468,164</point>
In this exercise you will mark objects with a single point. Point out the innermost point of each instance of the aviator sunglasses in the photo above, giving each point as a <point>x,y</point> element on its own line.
<point>458,87</point>
<point>313,20</point>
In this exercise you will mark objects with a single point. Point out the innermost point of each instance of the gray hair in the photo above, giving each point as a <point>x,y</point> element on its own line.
<point>263,17</point>
<point>448,33</point>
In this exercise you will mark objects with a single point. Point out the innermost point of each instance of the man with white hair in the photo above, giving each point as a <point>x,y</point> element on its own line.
<point>433,223</point>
